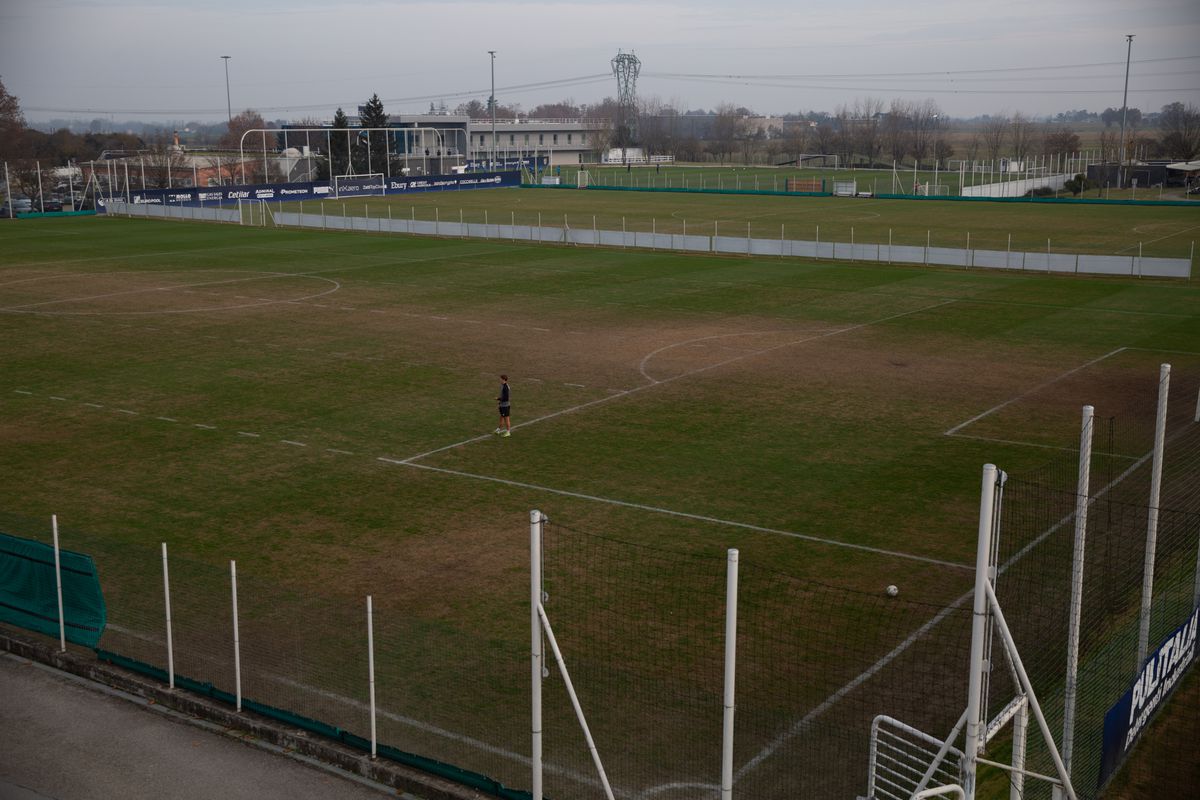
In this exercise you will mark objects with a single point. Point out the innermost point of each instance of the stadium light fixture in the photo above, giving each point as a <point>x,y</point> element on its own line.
<point>492,103</point>
<point>228,105</point>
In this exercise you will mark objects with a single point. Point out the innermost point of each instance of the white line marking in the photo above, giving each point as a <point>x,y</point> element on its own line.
<point>251,435</point>
<point>576,385</point>
<point>167,419</point>
<point>22,391</point>
<point>205,427</point>
<point>294,444</point>
<point>1028,392</point>
<point>56,397</point>
<point>127,411</point>
<point>339,452</point>
<point>1025,444</point>
<point>681,514</point>
<point>93,405</point>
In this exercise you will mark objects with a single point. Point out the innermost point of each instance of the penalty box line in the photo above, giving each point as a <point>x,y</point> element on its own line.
<point>680,514</point>
<point>953,431</point>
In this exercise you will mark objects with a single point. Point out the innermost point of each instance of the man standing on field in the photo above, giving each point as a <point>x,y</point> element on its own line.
<point>505,428</point>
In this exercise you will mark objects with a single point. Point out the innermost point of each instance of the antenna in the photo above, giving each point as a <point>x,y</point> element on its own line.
<point>626,67</point>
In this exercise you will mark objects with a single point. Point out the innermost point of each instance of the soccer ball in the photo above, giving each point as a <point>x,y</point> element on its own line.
<point>892,590</point>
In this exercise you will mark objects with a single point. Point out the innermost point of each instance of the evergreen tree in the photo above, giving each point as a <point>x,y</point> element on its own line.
<point>373,159</point>
<point>339,156</point>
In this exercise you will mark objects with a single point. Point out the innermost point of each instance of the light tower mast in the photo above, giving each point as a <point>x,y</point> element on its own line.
<point>626,67</point>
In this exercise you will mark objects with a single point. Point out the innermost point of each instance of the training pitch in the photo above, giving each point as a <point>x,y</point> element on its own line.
<point>320,406</point>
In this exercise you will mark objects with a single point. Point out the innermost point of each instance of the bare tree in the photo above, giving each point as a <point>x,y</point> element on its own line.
<point>973,145</point>
<point>823,138</point>
<point>1022,131</point>
<point>1110,143</point>
<point>895,129</point>
<point>867,139</point>
<point>795,138</point>
<point>843,137</point>
<point>942,149</point>
<point>923,124</point>
<point>995,132</point>
<point>1180,127</point>
<point>164,162</point>
<point>727,130</point>
<point>1059,141</point>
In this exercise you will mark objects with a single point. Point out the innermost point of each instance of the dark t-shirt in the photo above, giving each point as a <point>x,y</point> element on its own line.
<point>504,394</point>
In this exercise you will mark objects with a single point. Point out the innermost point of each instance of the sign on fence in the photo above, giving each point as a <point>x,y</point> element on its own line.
<point>310,190</point>
<point>1126,720</point>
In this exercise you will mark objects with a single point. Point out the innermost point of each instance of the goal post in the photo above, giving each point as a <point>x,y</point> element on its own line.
<point>933,190</point>
<point>582,179</point>
<point>367,185</point>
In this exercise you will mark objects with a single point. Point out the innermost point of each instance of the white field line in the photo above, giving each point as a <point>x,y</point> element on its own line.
<point>1152,241</point>
<point>1028,392</point>
<point>688,374</point>
<point>184,287</point>
<point>681,514</point>
<point>404,720</point>
<point>799,726</point>
<point>1027,444</point>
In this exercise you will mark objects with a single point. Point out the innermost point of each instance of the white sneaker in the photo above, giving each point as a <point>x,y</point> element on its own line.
<point>499,430</point>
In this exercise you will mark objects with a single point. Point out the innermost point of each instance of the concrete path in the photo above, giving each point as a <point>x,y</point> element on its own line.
<point>66,738</point>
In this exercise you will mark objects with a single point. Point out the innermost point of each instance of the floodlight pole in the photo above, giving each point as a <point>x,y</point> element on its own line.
<point>228,104</point>
<point>492,103</point>
<point>1124,110</point>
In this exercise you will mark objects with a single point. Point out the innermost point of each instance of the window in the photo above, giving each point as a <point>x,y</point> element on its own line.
<point>512,138</point>
<point>568,138</point>
<point>541,138</point>
<point>556,138</point>
<point>527,138</point>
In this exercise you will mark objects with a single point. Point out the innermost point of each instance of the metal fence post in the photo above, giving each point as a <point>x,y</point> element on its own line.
<point>1160,426</point>
<point>535,641</point>
<point>167,601</point>
<point>237,647</point>
<point>371,670</point>
<point>731,593</point>
<point>1076,606</point>
<point>976,724</point>
<point>62,620</point>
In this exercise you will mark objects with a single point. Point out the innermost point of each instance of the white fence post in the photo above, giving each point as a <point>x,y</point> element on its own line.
<point>371,670</point>
<point>731,592</point>
<point>1160,427</point>
<point>167,600</point>
<point>62,620</point>
<point>237,647</point>
<point>976,724</point>
<point>535,641</point>
<point>1076,606</point>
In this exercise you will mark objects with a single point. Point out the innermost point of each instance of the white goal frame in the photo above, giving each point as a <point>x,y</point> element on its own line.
<point>582,179</point>
<point>934,190</point>
<point>845,188</point>
<point>337,195</point>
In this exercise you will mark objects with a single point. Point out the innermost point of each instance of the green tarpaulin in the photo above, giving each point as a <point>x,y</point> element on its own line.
<point>28,598</point>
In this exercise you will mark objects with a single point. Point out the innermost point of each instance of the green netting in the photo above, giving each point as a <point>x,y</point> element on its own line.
<point>28,597</point>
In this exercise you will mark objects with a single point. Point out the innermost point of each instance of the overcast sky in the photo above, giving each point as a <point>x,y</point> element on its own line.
<point>161,60</point>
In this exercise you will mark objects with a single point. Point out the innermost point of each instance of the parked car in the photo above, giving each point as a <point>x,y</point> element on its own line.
<point>52,204</point>
<point>22,205</point>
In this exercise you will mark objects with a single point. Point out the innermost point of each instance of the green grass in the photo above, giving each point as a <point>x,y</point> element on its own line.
<point>1113,230</point>
<point>231,391</point>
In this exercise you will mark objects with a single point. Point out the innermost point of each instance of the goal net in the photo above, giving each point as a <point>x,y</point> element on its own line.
<point>933,190</point>
<point>582,179</point>
<point>359,185</point>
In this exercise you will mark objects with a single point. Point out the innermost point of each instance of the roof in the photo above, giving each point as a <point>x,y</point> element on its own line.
<point>1185,166</point>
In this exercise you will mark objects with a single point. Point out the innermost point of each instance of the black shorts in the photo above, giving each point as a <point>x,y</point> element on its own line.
<point>504,410</point>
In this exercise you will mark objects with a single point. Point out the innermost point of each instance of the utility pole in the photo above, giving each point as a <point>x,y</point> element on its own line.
<point>492,103</point>
<point>1124,111</point>
<point>228,105</point>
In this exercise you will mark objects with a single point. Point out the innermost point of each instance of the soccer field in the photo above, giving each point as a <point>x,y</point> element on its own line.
<point>1167,231</point>
<point>319,406</point>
